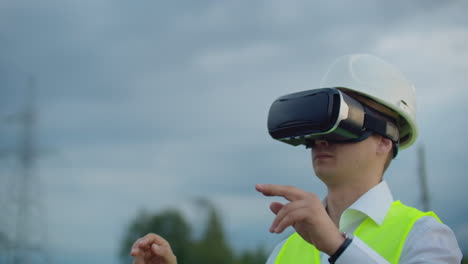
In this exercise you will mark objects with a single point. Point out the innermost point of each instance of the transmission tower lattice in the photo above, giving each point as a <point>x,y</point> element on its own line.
<point>27,239</point>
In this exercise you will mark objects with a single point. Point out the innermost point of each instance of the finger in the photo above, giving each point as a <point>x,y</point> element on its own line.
<point>291,219</point>
<point>138,260</point>
<point>287,209</point>
<point>135,247</point>
<point>135,244</point>
<point>151,238</point>
<point>139,247</point>
<point>275,207</point>
<point>164,251</point>
<point>291,193</point>
<point>134,252</point>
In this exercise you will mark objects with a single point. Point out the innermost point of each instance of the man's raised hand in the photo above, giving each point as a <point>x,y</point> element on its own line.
<point>152,249</point>
<point>306,214</point>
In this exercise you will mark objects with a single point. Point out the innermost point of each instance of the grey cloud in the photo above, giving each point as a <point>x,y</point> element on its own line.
<point>179,93</point>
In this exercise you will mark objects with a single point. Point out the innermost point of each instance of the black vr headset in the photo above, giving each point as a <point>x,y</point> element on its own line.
<point>329,114</point>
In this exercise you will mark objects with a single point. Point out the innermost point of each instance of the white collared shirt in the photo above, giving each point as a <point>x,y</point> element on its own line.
<point>429,241</point>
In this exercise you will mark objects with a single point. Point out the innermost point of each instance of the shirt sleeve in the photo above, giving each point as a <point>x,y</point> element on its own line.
<point>360,252</point>
<point>429,241</point>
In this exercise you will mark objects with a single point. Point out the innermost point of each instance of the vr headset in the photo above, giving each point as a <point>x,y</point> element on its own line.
<point>329,114</point>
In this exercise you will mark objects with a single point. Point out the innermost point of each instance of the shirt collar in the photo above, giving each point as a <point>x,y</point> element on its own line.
<point>375,204</point>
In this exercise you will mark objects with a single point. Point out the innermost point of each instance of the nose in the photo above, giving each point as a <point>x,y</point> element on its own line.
<point>321,143</point>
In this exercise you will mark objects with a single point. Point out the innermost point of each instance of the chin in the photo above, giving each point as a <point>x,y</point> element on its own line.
<point>324,173</point>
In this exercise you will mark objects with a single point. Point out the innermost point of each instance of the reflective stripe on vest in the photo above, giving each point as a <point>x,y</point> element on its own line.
<point>387,239</point>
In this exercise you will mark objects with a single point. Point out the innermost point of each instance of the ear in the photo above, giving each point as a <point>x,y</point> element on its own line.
<point>384,146</point>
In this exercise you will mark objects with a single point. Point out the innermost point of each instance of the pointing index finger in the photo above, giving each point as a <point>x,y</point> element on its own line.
<point>291,193</point>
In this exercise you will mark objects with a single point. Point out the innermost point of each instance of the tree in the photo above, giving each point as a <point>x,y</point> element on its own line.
<point>169,224</point>
<point>211,248</point>
<point>257,256</point>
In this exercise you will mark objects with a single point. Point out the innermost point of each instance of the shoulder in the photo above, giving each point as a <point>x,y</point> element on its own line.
<point>433,240</point>
<point>275,252</point>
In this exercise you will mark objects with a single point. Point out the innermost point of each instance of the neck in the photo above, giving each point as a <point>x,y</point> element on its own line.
<point>341,196</point>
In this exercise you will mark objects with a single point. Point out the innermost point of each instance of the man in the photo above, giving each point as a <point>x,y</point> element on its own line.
<point>369,115</point>
<point>358,221</point>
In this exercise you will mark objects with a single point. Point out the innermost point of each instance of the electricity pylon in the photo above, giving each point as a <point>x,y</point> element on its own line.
<point>423,178</point>
<point>26,244</point>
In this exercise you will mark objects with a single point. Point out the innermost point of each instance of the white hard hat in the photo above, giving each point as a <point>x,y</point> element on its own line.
<point>374,78</point>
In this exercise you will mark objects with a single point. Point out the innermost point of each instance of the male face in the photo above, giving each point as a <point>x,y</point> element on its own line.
<point>337,163</point>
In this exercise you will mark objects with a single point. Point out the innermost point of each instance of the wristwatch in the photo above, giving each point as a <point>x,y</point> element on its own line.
<point>341,249</point>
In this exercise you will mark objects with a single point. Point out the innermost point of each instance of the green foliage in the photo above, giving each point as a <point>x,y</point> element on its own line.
<point>169,224</point>
<point>256,256</point>
<point>211,248</point>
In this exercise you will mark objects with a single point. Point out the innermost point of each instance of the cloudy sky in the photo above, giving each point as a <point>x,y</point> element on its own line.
<point>149,104</point>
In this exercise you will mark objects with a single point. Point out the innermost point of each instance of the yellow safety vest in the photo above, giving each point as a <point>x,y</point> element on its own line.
<point>387,239</point>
